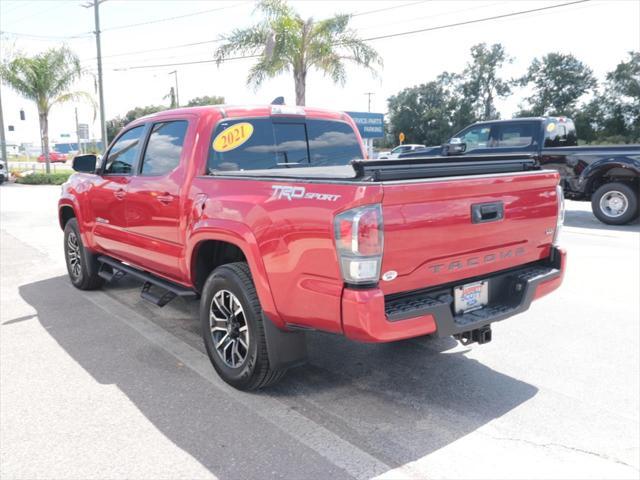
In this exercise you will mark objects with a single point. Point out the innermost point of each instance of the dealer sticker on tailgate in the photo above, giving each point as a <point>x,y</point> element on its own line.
<point>471,296</point>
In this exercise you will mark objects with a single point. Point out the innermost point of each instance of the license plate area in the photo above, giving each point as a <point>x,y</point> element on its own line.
<point>470,297</point>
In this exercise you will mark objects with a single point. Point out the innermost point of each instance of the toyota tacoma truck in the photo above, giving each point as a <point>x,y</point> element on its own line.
<point>275,220</point>
<point>607,176</point>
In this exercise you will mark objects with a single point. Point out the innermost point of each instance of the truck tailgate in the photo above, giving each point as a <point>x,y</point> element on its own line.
<point>441,231</point>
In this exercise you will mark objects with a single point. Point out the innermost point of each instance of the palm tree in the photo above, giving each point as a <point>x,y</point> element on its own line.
<point>284,42</point>
<point>45,78</point>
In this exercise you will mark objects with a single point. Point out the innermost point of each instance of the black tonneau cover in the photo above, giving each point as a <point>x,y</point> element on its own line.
<point>395,169</point>
<point>432,167</point>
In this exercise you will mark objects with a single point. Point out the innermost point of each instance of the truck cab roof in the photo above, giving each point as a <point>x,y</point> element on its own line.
<point>235,111</point>
<point>560,119</point>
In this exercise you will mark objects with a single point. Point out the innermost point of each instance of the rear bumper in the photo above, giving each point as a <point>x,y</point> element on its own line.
<point>369,316</point>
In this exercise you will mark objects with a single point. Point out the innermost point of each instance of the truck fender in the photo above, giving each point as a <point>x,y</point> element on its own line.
<point>240,235</point>
<point>70,201</point>
<point>600,168</point>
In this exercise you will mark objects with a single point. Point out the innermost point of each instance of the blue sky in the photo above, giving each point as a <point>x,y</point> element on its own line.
<point>598,32</point>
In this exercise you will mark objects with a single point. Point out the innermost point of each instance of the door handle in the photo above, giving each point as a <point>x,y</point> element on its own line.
<point>487,212</point>
<point>165,198</point>
<point>120,193</point>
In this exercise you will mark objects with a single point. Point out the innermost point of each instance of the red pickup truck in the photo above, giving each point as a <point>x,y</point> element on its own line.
<point>274,218</point>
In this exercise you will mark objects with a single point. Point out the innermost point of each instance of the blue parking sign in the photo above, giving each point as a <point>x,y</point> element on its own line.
<point>370,125</point>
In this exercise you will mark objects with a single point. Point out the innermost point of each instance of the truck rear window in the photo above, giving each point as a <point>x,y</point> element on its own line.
<point>266,143</point>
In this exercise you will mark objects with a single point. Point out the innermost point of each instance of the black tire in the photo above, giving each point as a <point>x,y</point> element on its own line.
<point>621,192</point>
<point>82,265</point>
<point>252,372</point>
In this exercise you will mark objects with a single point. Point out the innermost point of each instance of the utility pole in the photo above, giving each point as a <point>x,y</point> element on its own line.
<point>103,125</point>
<point>368,94</point>
<point>175,73</point>
<point>78,133</point>
<point>3,139</point>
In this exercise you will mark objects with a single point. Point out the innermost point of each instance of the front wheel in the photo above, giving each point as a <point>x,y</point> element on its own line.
<point>82,265</point>
<point>232,329</point>
<point>615,203</point>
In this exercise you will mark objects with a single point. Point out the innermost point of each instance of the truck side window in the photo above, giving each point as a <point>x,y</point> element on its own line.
<point>255,153</point>
<point>282,143</point>
<point>164,147</point>
<point>477,137</point>
<point>557,135</point>
<point>124,153</point>
<point>332,143</point>
<point>518,134</point>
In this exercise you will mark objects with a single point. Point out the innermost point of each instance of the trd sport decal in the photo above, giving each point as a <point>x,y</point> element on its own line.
<point>296,193</point>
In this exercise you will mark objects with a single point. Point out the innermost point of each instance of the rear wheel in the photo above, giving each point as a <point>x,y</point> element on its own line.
<point>82,265</point>
<point>615,203</point>
<point>232,329</point>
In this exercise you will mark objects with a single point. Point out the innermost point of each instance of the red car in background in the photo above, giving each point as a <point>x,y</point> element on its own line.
<point>54,157</point>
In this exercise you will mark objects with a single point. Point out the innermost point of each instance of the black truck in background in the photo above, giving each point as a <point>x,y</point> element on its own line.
<point>608,175</point>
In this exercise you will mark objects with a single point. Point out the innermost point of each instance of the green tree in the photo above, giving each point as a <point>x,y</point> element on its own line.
<point>45,78</point>
<point>622,93</point>
<point>285,42</point>
<point>613,116</point>
<point>116,124</point>
<point>483,85</point>
<point>429,113</point>
<point>557,82</point>
<point>589,119</point>
<point>206,100</point>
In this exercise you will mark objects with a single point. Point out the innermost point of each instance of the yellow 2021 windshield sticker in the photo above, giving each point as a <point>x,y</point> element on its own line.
<point>232,137</point>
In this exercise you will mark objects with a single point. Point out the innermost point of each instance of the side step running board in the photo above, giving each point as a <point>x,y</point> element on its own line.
<point>169,289</point>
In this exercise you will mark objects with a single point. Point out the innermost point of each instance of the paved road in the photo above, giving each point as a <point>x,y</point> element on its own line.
<point>103,385</point>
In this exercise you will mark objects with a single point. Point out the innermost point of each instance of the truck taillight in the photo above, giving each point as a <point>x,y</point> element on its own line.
<point>560,220</point>
<point>359,242</point>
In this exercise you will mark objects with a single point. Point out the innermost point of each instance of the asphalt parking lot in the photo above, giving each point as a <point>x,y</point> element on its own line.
<point>104,385</point>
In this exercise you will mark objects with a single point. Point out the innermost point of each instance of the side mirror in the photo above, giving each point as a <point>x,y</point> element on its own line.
<point>85,163</point>
<point>455,146</point>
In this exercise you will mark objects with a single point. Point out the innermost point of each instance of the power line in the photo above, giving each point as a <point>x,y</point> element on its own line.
<point>430,16</point>
<point>120,27</point>
<point>16,7</point>
<point>359,14</point>
<point>48,37</point>
<point>398,34</point>
<point>137,67</point>
<point>35,14</point>
<point>468,22</point>
<point>204,42</point>
<point>124,54</point>
<point>167,19</point>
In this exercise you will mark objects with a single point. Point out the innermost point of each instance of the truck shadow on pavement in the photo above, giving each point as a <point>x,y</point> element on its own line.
<point>397,402</point>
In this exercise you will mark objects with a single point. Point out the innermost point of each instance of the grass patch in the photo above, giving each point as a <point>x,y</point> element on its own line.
<point>44,179</point>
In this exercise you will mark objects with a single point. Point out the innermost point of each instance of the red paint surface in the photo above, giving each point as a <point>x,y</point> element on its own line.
<point>289,245</point>
<point>550,285</point>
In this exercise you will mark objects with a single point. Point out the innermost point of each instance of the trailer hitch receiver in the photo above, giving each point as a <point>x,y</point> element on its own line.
<point>480,335</point>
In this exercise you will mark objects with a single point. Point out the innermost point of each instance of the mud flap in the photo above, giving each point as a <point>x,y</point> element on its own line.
<point>285,349</point>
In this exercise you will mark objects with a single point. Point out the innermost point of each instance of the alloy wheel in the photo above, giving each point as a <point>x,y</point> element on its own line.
<point>229,330</point>
<point>73,254</point>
